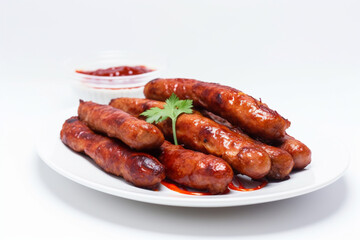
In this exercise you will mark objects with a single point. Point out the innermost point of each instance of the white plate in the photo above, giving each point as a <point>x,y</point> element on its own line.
<point>327,166</point>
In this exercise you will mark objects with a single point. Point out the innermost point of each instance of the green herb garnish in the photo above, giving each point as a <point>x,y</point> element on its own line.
<point>172,109</point>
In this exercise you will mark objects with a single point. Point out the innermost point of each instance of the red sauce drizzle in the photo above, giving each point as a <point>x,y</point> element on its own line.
<point>118,71</point>
<point>238,186</point>
<point>184,190</point>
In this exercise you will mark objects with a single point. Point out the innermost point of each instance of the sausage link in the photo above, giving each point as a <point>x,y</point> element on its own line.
<point>194,169</point>
<point>202,134</point>
<point>298,150</point>
<point>134,132</point>
<point>281,161</point>
<point>112,156</point>
<point>242,110</point>
<point>300,153</point>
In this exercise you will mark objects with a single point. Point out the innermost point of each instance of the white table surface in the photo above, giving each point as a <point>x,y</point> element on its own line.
<point>300,57</point>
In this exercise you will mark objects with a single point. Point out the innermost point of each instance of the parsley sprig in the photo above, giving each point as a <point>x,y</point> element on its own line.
<point>172,109</point>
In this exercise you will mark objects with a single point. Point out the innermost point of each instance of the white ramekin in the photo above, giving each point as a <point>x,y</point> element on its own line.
<point>102,89</point>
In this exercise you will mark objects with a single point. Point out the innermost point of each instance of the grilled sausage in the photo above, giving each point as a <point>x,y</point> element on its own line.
<point>134,132</point>
<point>112,156</point>
<point>299,152</point>
<point>281,161</point>
<point>194,169</point>
<point>202,134</point>
<point>242,110</point>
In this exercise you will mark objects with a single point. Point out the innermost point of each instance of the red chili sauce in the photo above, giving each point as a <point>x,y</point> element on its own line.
<point>181,189</point>
<point>236,185</point>
<point>118,71</point>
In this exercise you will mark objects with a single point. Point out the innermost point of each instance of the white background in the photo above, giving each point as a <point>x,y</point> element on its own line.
<point>300,57</point>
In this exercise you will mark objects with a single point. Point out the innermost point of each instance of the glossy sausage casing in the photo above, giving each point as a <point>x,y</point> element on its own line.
<point>298,150</point>
<point>194,169</point>
<point>134,132</point>
<point>300,153</point>
<point>143,170</point>
<point>202,134</point>
<point>242,110</point>
<point>281,161</point>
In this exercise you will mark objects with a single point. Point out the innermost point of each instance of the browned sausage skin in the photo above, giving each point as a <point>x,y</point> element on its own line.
<point>202,134</point>
<point>194,169</point>
<point>242,110</point>
<point>281,161</point>
<point>113,156</point>
<point>299,152</point>
<point>134,132</point>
